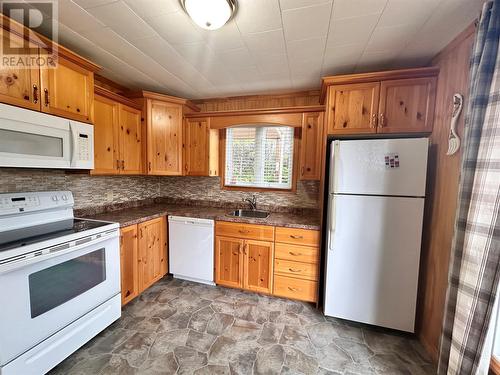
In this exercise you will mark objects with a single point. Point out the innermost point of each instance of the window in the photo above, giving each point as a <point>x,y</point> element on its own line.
<point>259,157</point>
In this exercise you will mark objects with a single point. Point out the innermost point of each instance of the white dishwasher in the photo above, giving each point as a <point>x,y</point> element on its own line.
<point>191,249</point>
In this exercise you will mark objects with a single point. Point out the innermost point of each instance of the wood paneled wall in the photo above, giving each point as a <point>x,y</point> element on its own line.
<point>235,103</point>
<point>442,189</point>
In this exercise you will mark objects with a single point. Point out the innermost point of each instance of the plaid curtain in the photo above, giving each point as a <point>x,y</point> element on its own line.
<point>475,264</point>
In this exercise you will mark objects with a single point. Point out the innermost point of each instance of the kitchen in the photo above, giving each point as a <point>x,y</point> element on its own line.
<point>151,224</point>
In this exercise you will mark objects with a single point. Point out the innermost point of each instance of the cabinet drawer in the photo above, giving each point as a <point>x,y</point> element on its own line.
<point>290,287</point>
<point>297,236</point>
<point>296,269</point>
<point>296,253</point>
<point>241,230</point>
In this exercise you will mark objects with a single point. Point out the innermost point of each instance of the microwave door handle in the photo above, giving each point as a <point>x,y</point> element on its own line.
<point>73,142</point>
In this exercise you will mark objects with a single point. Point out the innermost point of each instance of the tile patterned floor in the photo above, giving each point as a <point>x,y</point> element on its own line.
<point>179,327</point>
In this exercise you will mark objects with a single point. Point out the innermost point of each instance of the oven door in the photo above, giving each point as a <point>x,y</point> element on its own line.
<point>41,297</point>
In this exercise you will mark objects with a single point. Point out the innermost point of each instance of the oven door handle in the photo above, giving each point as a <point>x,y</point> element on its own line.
<point>14,263</point>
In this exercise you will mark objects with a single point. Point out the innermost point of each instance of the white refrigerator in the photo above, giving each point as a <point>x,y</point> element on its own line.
<point>375,214</point>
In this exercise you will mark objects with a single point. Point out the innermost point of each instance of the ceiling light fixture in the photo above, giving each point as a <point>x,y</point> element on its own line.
<point>209,14</point>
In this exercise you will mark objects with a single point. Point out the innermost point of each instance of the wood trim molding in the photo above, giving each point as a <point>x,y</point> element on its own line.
<point>287,119</point>
<point>263,111</point>
<point>110,84</point>
<point>166,98</point>
<point>375,76</point>
<point>20,30</point>
<point>494,366</point>
<point>98,90</point>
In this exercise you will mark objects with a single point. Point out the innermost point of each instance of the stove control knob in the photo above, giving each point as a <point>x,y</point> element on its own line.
<point>64,197</point>
<point>54,198</point>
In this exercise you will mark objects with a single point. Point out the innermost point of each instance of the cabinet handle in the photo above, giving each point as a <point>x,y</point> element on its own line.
<point>47,98</point>
<point>244,231</point>
<point>149,166</point>
<point>186,167</point>
<point>294,254</point>
<point>292,289</point>
<point>302,171</point>
<point>382,120</point>
<point>128,293</point>
<point>35,94</point>
<point>374,121</point>
<point>141,234</point>
<point>294,270</point>
<point>123,164</point>
<point>117,164</point>
<point>296,237</point>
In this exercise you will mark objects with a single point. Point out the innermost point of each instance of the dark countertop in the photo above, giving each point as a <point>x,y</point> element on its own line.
<point>135,215</point>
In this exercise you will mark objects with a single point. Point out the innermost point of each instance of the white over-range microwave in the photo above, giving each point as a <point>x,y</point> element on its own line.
<point>30,139</point>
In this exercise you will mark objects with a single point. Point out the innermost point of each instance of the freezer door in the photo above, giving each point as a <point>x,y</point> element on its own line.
<point>379,167</point>
<point>373,260</point>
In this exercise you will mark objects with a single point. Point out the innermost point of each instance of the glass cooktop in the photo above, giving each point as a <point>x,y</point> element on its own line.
<point>27,236</point>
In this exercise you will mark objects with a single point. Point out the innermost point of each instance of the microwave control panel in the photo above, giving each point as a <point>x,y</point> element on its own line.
<point>83,147</point>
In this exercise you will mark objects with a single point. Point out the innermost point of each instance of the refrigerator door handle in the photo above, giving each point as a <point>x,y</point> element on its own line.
<point>331,222</point>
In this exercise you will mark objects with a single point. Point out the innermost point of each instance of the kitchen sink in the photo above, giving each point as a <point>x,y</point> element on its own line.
<point>250,213</point>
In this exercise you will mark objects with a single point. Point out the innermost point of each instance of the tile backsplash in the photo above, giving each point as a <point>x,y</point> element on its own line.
<point>92,191</point>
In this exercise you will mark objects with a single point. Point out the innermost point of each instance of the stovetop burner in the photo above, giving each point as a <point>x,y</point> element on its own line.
<point>38,233</point>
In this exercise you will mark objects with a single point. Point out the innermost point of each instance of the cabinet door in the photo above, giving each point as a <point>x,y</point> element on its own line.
<point>407,105</point>
<point>68,91</point>
<point>196,147</point>
<point>353,108</point>
<point>258,266</point>
<point>164,143</point>
<point>106,137</point>
<point>129,263</point>
<point>129,120</point>
<point>312,138</point>
<point>229,261</point>
<point>19,86</point>
<point>151,252</point>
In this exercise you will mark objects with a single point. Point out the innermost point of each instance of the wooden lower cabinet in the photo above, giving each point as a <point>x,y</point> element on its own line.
<point>229,261</point>
<point>249,256</point>
<point>258,266</point>
<point>128,262</point>
<point>143,252</point>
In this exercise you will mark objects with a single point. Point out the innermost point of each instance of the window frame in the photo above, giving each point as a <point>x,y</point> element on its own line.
<point>295,155</point>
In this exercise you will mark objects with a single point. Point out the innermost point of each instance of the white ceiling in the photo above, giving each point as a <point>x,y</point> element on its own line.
<point>269,46</point>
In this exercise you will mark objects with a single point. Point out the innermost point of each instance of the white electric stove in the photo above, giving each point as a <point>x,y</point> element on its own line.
<point>59,280</point>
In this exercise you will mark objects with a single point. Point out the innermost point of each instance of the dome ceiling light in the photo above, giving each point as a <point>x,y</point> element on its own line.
<point>209,14</point>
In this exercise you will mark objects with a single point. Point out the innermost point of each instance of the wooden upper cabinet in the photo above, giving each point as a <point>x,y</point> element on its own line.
<point>117,134</point>
<point>407,105</point>
<point>310,149</point>
<point>258,266</point>
<point>68,91</point>
<point>353,108</point>
<point>129,263</point>
<point>397,101</point>
<point>106,136</point>
<point>201,148</point>
<point>229,261</point>
<point>19,86</point>
<point>164,138</point>
<point>152,252</point>
<point>129,120</point>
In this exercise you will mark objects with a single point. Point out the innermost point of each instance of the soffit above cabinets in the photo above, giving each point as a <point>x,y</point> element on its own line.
<point>269,46</point>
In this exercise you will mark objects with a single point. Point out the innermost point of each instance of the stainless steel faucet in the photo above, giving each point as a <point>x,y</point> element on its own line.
<point>252,201</point>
